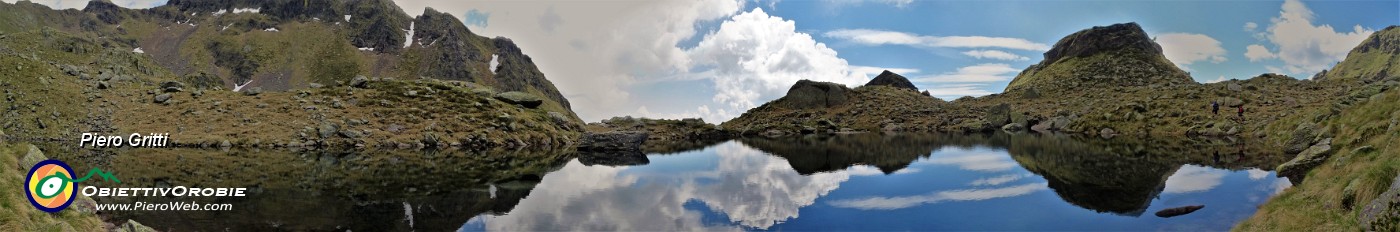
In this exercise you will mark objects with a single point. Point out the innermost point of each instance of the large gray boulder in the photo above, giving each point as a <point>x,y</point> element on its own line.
<point>1383,213</point>
<point>1298,167</point>
<point>1303,136</point>
<point>31,157</point>
<point>814,95</point>
<point>520,98</point>
<point>613,141</point>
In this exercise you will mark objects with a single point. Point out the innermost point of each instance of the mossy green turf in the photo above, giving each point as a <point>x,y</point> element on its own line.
<point>1317,204</point>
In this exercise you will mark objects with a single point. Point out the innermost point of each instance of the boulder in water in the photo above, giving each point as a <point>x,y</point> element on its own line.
<point>1178,211</point>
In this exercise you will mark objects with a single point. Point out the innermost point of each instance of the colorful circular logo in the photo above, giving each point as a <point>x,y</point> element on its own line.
<point>49,185</point>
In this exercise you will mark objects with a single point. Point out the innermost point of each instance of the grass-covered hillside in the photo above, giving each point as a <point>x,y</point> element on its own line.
<point>272,73</point>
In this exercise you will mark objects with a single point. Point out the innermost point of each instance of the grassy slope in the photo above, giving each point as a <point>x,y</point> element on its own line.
<point>1316,204</point>
<point>68,105</point>
<point>15,212</point>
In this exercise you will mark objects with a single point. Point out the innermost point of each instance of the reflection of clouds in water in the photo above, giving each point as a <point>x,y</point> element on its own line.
<point>998,180</point>
<point>867,170</point>
<point>751,188</point>
<point>889,203</point>
<point>973,161</point>
<point>759,190</point>
<point>1257,174</point>
<point>1192,178</point>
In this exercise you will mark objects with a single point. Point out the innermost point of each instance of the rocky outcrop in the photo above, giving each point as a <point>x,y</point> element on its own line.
<point>520,98</point>
<point>1105,56</point>
<point>812,94</point>
<point>892,79</point>
<point>1383,213</point>
<point>1297,168</point>
<point>1376,58</point>
<point>613,141</point>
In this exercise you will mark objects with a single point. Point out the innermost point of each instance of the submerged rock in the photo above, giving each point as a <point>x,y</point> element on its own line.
<point>1178,211</point>
<point>1013,127</point>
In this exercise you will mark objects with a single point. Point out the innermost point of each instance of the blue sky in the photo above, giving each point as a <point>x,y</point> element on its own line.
<point>715,59</point>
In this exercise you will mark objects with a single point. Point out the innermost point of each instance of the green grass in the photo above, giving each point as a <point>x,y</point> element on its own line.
<point>1316,204</point>
<point>19,215</point>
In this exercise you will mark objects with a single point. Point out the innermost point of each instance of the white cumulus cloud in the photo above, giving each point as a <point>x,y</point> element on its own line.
<point>754,57</point>
<point>1257,53</point>
<point>1304,47</point>
<point>1186,48</point>
<point>882,37</point>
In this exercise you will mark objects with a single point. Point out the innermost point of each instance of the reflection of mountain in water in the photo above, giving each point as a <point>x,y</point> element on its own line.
<point>813,154</point>
<point>1119,176</point>
<point>318,191</point>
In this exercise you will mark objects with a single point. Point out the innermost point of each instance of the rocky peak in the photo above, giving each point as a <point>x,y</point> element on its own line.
<point>1115,55</point>
<point>892,79</point>
<point>1116,37</point>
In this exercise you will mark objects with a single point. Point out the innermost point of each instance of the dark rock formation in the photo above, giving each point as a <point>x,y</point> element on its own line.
<point>812,94</point>
<point>613,141</point>
<point>1123,37</point>
<point>892,79</point>
<point>616,158</point>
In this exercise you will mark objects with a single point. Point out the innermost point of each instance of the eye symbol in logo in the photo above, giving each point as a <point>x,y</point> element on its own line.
<point>50,186</point>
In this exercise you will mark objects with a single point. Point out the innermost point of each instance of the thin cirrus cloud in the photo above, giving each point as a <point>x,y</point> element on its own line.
<point>892,203</point>
<point>883,37</point>
<point>989,72</point>
<point>995,54</point>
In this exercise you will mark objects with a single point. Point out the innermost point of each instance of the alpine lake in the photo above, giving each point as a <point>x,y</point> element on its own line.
<point>864,182</point>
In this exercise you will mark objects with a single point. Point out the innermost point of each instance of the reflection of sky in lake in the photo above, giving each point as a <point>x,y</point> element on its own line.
<point>734,187</point>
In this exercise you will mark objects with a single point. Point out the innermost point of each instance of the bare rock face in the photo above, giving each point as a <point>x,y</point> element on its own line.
<point>812,94</point>
<point>892,79</point>
<point>1123,37</point>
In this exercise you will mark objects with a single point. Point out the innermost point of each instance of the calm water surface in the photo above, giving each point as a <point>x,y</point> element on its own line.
<point>853,182</point>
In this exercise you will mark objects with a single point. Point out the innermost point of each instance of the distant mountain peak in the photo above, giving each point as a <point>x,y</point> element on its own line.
<point>888,78</point>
